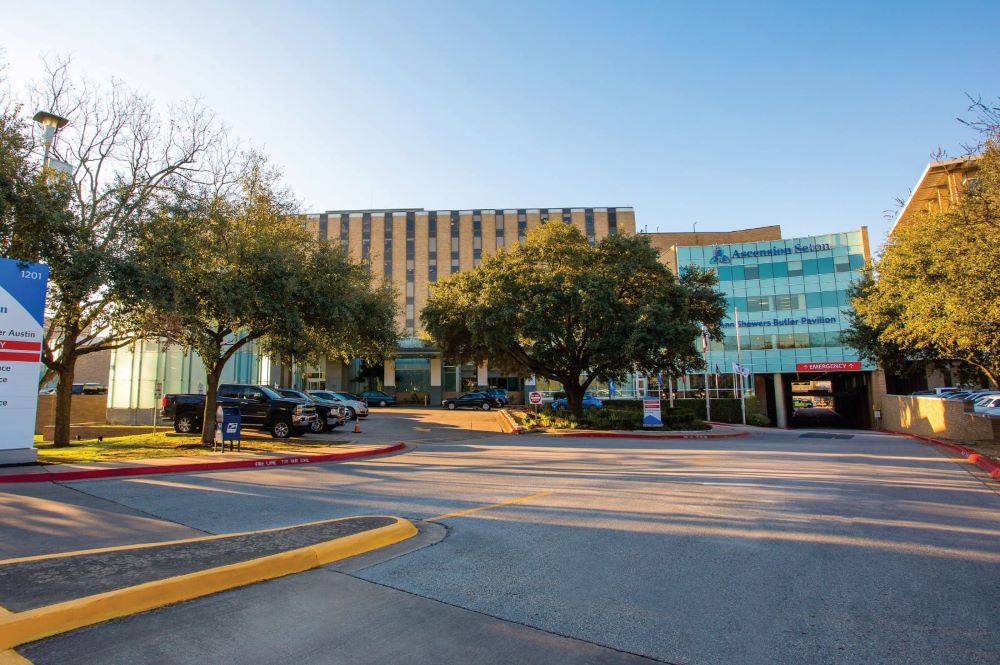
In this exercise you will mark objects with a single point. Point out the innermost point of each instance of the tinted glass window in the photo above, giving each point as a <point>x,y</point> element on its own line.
<point>751,272</point>
<point>766,270</point>
<point>779,269</point>
<point>810,267</point>
<point>826,265</point>
<point>814,300</point>
<point>228,391</point>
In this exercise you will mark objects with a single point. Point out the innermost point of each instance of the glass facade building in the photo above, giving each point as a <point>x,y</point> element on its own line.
<point>790,298</point>
<point>789,295</point>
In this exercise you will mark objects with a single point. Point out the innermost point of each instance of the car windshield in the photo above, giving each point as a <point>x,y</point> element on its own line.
<point>323,395</point>
<point>269,392</point>
<point>346,396</point>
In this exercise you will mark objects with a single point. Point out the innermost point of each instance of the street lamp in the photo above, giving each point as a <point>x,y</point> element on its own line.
<point>52,124</point>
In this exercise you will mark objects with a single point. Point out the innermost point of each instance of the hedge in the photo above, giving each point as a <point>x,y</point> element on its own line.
<point>725,410</point>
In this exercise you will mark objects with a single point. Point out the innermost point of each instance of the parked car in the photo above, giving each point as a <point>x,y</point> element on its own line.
<point>501,394</point>
<point>260,407</point>
<point>589,402</point>
<point>378,398</point>
<point>987,402</point>
<point>354,407</point>
<point>329,414</point>
<point>474,400</point>
<point>90,389</point>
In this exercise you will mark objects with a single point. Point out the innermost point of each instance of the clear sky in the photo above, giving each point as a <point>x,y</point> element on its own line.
<point>811,115</point>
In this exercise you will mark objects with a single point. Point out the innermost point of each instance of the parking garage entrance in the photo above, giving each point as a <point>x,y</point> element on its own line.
<point>821,399</point>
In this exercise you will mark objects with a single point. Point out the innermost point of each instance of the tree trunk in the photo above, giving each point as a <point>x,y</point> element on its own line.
<point>574,397</point>
<point>64,390</point>
<point>211,388</point>
<point>64,403</point>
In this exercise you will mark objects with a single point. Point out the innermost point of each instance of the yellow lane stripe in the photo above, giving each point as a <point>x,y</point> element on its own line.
<point>492,505</point>
<point>137,546</point>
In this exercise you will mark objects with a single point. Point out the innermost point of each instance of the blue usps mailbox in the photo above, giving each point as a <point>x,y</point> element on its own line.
<point>228,423</point>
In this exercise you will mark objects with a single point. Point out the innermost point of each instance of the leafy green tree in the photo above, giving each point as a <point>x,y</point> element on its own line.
<point>936,292</point>
<point>560,308</point>
<point>224,267</point>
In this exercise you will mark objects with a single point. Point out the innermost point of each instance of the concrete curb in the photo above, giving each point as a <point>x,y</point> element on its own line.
<point>635,435</point>
<point>23,627</point>
<point>987,464</point>
<point>508,425</point>
<point>259,463</point>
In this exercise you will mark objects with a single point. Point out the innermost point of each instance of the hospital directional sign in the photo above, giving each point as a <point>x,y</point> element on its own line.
<point>22,313</point>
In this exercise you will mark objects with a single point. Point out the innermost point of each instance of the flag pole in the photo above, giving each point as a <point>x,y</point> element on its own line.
<point>739,361</point>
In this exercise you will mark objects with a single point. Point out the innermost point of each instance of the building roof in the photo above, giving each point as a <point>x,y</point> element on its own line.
<point>940,186</point>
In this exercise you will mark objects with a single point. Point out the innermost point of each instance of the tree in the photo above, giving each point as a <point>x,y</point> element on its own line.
<point>84,225</point>
<point>560,308</point>
<point>224,266</point>
<point>935,291</point>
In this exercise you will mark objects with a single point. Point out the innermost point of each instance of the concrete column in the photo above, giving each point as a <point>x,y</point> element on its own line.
<point>389,377</point>
<point>436,396</point>
<point>482,376</point>
<point>779,400</point>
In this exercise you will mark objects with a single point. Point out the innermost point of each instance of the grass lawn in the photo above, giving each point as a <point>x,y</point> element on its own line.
<point>160,444</point>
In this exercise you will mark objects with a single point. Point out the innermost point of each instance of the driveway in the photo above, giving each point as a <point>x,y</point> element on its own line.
<point>782,547</point>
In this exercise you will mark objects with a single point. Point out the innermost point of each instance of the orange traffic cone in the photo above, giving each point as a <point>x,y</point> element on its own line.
<point>357,425</point>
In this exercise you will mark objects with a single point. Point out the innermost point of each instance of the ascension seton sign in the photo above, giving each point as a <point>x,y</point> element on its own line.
<point>22,313</point>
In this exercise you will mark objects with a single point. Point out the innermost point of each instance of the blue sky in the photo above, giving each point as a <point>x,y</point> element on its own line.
<point>814,116</point>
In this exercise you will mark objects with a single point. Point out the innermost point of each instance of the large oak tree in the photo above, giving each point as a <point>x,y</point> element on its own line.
<point>573,312</point>
<point>934,290</point>
<point>221,267</point>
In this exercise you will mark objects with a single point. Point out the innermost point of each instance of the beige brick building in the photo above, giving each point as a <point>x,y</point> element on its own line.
<point>413,248</point>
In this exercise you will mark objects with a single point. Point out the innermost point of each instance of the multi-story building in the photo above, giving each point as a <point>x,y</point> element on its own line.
<point>787,297</point>
<point>412,249</point>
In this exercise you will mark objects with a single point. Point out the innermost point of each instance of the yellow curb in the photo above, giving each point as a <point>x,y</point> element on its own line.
<point>30,625</point>
<point>11,657</point>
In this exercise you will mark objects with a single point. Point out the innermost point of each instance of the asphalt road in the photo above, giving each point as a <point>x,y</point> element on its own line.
<point>775,548</point>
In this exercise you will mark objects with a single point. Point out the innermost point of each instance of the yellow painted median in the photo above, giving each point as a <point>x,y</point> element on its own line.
<point>23,627</point>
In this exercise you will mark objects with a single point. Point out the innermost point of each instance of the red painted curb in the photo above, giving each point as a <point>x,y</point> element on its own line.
<point>987,464</point>
<point>263,463</point>
<point>629,435</point>
<point>514,428</point>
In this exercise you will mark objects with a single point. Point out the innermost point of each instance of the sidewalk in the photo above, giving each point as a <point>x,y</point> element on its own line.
<point>38,473</point>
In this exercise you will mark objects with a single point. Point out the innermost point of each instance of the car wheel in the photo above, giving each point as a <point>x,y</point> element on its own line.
<point>382,403</point>
<point>451,405</point>
<point>350,413</point>
<point>282,428</point>
<point>186,425</point>
<point>318,426</point>
<point>487,406</point>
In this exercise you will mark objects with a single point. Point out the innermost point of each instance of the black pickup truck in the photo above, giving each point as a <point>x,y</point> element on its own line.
<point>260,407</point>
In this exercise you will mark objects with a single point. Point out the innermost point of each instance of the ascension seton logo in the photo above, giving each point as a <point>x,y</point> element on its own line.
<point>719,256</point>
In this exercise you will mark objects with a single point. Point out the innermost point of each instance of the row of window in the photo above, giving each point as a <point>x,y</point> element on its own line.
<point>789,301</point>
<point>791,268</point>
<point>799,340</point>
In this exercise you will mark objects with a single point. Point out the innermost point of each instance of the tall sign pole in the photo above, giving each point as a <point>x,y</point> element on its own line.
<point>739,361</point>
<point>22,313</point>
<point>704,351</point>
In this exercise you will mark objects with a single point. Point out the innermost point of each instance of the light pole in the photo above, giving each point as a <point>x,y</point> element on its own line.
<point>52,124</point>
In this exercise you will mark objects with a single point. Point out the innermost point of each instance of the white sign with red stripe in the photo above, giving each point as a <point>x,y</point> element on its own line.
<point>22,312</point>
